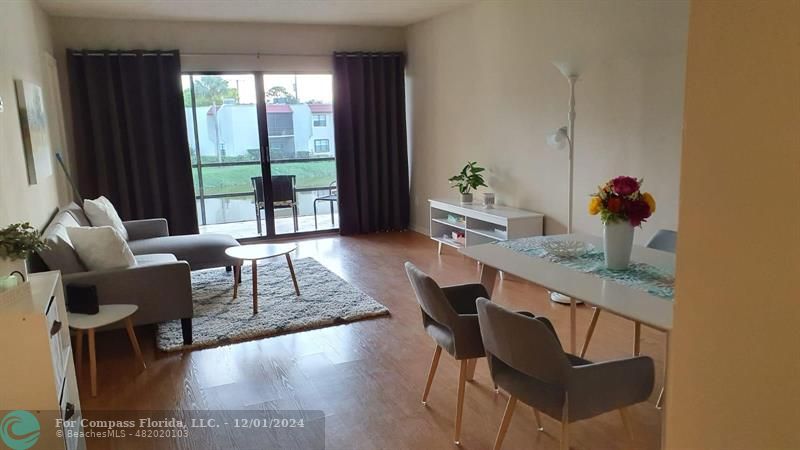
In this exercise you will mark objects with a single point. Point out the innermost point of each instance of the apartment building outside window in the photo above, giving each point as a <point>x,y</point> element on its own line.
<point>322,146</point>
<point>320,120</point>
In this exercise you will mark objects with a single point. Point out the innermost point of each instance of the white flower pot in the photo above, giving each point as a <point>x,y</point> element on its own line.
<point>10,265</point>
<point>466,198</point>
<point>617,244</point>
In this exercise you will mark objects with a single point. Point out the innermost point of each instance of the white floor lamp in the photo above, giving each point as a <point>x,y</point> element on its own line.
<point>565,136</point>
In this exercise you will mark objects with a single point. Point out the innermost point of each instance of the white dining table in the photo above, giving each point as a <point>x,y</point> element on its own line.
<point>607,295</point>
<point>625,301</point>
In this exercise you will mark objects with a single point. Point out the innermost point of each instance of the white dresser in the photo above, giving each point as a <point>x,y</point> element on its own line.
<point>38,374</point>
<point>480,225</point>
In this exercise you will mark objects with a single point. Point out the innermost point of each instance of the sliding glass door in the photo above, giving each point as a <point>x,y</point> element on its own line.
<point>247,128</point>
<point>302,154</point>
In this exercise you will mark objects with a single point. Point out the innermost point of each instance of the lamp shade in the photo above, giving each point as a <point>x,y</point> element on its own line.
<point>558,139</point>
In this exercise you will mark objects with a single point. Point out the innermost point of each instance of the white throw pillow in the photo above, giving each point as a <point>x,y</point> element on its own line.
<point>101,247</point>
<point>102,213</point>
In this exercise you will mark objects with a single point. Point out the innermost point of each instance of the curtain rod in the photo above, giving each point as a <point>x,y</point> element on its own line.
<point>257,54</point>
<point>326,55</point>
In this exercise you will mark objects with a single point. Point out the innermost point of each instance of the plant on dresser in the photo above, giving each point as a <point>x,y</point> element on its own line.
<point>17,242</point>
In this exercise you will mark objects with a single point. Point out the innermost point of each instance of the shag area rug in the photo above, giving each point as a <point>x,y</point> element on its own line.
<point>325,299</point>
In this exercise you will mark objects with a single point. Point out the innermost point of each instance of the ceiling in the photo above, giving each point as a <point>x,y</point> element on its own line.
<point>333,12</point>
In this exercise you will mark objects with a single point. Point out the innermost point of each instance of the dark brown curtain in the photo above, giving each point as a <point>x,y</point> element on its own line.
<point>130,134</point>
<point>369,119</point>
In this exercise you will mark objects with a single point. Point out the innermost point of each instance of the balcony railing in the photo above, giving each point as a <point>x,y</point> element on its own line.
<point>224,190</point>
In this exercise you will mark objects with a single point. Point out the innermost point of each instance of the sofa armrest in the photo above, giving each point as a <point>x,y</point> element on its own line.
<point>146,228</point>
<point>161,291</point>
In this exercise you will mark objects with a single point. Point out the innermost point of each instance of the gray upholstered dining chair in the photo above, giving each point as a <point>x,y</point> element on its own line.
<point>664,240</point>
<point>526,360</point>
<point>450,318</point>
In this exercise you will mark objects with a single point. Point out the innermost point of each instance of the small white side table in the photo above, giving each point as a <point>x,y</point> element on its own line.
<point>107,315</point>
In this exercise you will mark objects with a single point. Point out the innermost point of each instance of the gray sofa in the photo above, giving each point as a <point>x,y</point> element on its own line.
<point>160,283</point>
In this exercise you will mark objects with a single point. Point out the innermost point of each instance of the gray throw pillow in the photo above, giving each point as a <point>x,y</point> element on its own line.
<point>60,254</point>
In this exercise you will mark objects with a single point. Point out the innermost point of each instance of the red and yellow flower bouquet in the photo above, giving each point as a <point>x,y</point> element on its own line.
<point>621,199</point>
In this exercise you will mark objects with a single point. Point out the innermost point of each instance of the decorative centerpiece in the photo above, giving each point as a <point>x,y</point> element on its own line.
<point>622,206</point>
<point>469,179</point>
<point>17,242</point>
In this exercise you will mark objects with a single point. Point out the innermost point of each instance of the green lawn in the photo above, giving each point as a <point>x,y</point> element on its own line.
<point>226,180</point>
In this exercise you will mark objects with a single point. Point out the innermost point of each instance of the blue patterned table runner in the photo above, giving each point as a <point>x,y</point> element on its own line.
<point>644,277</point>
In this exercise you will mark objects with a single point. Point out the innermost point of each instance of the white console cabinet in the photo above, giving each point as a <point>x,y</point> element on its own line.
<point>480,225</point>
<point>38,373</point>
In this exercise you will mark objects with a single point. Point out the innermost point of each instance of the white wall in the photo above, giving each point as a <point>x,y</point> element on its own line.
<point>733,379</point>
<point>482,87</point>
<point>23,48</point>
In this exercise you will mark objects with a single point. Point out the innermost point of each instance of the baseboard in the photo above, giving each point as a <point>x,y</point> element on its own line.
<point>421,229</point>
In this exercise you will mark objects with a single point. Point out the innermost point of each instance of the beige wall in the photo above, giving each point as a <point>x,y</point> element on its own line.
<point>25,40</point>
<point>482,87</point>
<point>734,367</point>
<point>282,44</point>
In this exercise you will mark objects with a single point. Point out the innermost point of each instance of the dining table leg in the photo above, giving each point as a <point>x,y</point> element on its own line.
<point>488,278</point>
<point>573,336</point>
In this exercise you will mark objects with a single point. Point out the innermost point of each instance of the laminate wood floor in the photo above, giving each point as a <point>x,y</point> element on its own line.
<point>368,376</point>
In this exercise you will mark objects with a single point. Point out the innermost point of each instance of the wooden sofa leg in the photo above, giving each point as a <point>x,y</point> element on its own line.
<point>186,328</point>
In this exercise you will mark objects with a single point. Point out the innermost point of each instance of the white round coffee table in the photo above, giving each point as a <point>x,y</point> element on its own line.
<point>107,315</point>
<point>253,253</point>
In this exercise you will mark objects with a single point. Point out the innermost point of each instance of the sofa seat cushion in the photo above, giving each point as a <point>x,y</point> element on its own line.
<point>201,251</point>
<point>155,259</point>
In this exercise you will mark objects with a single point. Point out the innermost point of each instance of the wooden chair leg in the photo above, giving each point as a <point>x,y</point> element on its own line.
<point>637,338</point>
<point>538,420</point>
<point>501,433</point>
<point>590,331</point>
<point>79,351</point>
<point>431,373</point>
<point>294,277</point>
<point>626,421</point>
<point>462,380</point>
<point>92,363</point>
<point>471,364</point>
<point>134,342</point>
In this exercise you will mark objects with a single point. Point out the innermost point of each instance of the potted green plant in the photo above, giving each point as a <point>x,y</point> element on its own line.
<point>468,179</point>
<point>17,242</point>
